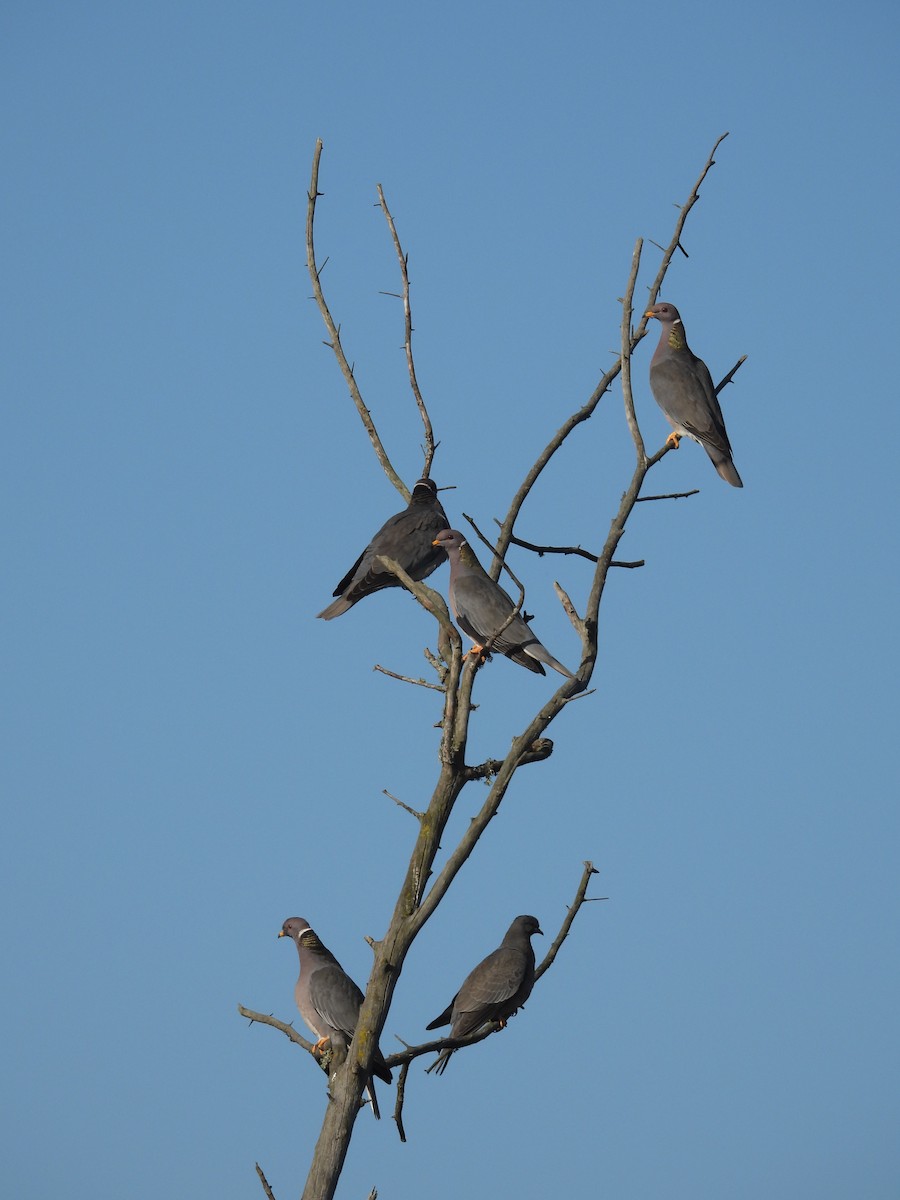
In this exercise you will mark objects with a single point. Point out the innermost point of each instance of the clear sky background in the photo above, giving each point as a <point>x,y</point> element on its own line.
<point>191,757</point>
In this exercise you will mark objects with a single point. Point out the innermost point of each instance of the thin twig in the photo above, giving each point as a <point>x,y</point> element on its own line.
<point>401,1096</point>
<point>403,260</point>
<point>287,1029</point>
<point>334,331</point>
<point>675,242</point>
<point>437,662</point>
<point>540,551</point>
<point>569,608</point>
<point>434,687</point>
<point>412,811</point>
<point>669,496</point>
<point>264,1182</point>
<point>627,344</point>
<point>666,448</point>
<point>490,546</point>
<point>580,898</point>
<point>626,505</point>
<point>731,374</point>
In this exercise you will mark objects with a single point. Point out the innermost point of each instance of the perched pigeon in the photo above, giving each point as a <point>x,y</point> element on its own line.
<point>408,538</point>
<point>684,390</point>
<point>328,999</point>
<point>499,985</point>
<point>481,606</point>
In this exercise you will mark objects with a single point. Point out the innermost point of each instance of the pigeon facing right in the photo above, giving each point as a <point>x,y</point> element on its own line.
<point>684,390</point>
<point>481,606</point>
<point>500,984</point>
<point>328,999</point>
<point>408,538</point>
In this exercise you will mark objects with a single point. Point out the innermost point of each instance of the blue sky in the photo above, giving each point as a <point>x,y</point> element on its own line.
<point>192,757</point>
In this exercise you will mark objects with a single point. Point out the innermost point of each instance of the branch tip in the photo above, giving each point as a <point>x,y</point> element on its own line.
<point>420,816</point>
<point>264,1182</point>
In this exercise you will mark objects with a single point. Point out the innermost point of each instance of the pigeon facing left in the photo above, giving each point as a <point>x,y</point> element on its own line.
<point>500,984</point>
<point>481,606</point>
<point>328,999</point>
<point>684,390</point>
<point>408,538</point>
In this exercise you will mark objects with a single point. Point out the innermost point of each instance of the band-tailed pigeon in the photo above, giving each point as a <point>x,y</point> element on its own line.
<point>408,538</point>
<point>684,390</point>
<point>328,999</point>
<point>481,606</point>
<point>500,984</point>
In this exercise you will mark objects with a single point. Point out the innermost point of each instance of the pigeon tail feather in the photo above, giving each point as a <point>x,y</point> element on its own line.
<point>525,659</point>
<point>539,651</point>
<point>728,471</point>
<point>335,609</point>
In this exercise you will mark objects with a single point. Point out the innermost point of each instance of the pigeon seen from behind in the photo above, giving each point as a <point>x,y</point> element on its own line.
<point>328,999</point>
<point>481,606</point>
<point>500,984</point>
<point>684,390</point>
<point>408,538</point>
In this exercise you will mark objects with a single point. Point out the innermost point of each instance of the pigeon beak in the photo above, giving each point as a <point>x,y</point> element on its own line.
<point>540,931</point>
<point>281,933</point>
<point>649,313</point>
<point>436,542</point>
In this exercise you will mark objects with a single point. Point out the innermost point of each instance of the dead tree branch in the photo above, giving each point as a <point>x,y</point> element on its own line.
<point>434,687</point>
<point>581,897</point>
<point>403,260</point>
<point>540,551</point>
<point>669,496</point>
<point>334,332</point>
<point>264,1182</point>
<point>286,1028</point>
<point>675,242</point>
<point>731,374</point>
<point>430,871</point>
<point>420,816</point>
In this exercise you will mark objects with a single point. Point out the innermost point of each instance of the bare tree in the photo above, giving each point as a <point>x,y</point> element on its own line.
<point>455,674</point>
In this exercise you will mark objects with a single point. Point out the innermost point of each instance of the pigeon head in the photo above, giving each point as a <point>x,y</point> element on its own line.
<point>302,934</point>
<point>449,539</point>
<point>528,925</point>
<point>666,313</point>
<point>294,927</point>
<point>425,490</point>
